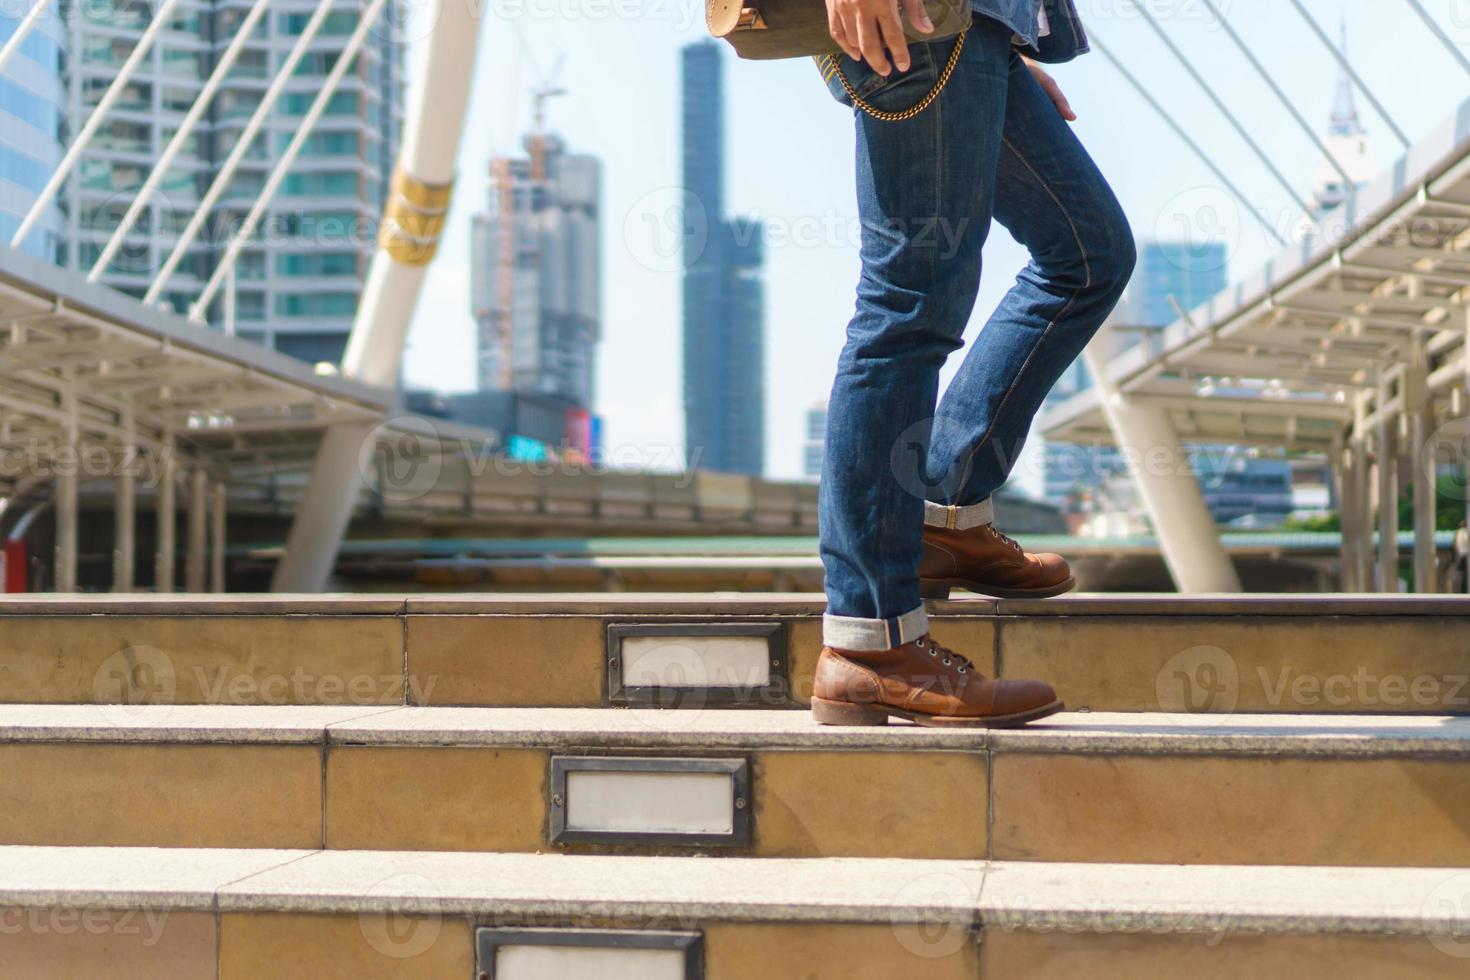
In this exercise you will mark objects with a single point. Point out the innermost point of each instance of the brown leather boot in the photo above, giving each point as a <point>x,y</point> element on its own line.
<point>983,560</point>
<point>925,683</point>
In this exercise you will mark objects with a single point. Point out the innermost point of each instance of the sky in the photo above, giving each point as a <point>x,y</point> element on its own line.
<point>790,163</point>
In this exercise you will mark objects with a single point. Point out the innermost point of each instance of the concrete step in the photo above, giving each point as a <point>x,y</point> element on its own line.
<point>146,912</point>
<point>1193,789</point>
<point>1262,654</point>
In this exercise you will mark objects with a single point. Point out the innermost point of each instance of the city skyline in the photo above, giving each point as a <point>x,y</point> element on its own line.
<point>780,115</point>
<point>808,223</point>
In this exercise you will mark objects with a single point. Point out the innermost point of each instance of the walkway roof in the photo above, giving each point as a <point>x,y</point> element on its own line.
<point>1281,358</point>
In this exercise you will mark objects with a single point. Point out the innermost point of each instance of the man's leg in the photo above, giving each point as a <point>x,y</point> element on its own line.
<point>924,198</point>
<point>1052,198</point>
<point>924,194</point>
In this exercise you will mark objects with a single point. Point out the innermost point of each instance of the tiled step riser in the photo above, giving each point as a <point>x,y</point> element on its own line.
<point>805,804</point>
<point>1276,665</point>
<point>49,942</point>
<point>1211,809</point>
<point>1280,664</point>
<point>1146,808</point>
<point>52,942</point>
<point>1145,955</point>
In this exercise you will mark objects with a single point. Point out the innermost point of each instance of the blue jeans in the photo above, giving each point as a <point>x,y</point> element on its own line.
<point>992,145</point>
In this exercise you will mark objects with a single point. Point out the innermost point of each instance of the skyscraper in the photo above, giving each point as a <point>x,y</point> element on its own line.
<point>536,290</point>
<point>724,295</point>
<point>297,282</point>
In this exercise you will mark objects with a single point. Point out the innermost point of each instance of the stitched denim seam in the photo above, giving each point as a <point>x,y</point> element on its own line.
<point>938,108</point>
<point>1031,355</point>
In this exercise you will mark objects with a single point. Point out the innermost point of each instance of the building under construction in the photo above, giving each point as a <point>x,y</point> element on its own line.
<point>536,290</point>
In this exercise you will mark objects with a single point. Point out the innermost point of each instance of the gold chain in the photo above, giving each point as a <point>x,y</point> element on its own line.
<point>916,108</point>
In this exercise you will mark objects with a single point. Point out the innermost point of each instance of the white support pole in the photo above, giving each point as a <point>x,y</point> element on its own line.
<point>1419,414</point>
<point>1426,555</point>
<point>1363,489</point>
<point>23,31</point>
<point>79,143</point>
<point>217,514</point>
<point>165,517</point>
<point>66,494</point>
<point>411,228</point>
<point>237,153</point>
<point>176,143</point>
<point>1386,466</point>
<point>1362,518</point>
<point>196,559</point>
<point>1182,522</point>
<point>124,520</point>
<point>345,57</point>
<point>1342,476</point>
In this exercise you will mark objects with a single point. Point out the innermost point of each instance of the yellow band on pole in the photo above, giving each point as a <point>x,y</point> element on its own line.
<point>413,218</point>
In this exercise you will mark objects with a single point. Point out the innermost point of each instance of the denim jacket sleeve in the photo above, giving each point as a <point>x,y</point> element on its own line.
<point>1067,38</point>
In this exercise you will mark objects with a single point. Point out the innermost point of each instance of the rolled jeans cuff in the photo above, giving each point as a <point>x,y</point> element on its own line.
<point>854,633</point>
<point>959,518</point>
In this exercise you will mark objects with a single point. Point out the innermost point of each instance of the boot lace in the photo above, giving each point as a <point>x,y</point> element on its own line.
<point>1008,540</point>
<point>937,649</point>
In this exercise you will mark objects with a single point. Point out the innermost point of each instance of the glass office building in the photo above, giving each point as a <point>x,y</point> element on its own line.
<point>297,281</point>
<point>32,114</point>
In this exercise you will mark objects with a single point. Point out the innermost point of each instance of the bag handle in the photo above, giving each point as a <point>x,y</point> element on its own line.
<point>917,107</point>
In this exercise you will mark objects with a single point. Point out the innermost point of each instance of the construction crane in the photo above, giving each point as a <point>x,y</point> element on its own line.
<point>503,180</point>
<point>537,143</point>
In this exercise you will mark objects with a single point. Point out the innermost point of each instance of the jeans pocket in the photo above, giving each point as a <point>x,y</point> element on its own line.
<point>898,90</point>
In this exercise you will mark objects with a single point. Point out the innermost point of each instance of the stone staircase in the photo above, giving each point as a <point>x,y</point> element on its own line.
<point>624,786</point>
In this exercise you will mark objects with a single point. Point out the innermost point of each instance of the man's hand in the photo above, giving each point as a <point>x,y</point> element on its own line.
<point>1050,86</point>
<point>863,28</point>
